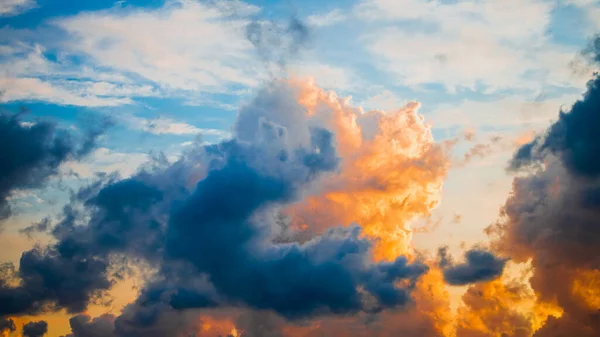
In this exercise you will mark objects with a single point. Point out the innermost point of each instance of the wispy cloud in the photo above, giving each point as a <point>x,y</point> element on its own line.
<point>15,7</point>
<point>328,19</point>
<point>164,125</point>
<point>179,48</point>
<point>184,45</point>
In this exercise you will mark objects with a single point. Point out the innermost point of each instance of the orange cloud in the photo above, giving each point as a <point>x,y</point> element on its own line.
<point>391,173</point>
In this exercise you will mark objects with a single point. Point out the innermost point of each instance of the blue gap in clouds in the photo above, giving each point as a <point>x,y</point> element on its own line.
<point>569,26</point>
<point>55,8</point>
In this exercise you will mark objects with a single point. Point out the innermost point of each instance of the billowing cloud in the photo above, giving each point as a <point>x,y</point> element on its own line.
<point>391,173</point>
<point>31,154</point>
<point>495,309</point>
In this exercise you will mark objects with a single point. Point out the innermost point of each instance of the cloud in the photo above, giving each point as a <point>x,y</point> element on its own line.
<point>85,326</point>
<point>106,161</point>
<point>495,309</point>
<point>572,138</point>
<point>466,45</point>
<point>27,73</point>
<point>33,154</point>
<point>35,329</point>
<point>325,75</point>
<point>386,100</point>
<point>511,112</point>
<point>164,125</point>
<point>184,45</point>
<point>99,62</point>
<point>216,206</point>
<point>328,19</point>
<point>551,217</point>
<point>31,89</point>
<point>278,43</point>
<point>479,265</point>
<point>16,7</point>
<point>7,325</point>
<point>380,167</point>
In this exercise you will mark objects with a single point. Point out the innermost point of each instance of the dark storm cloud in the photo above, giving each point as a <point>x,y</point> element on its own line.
<point>552,217</point>
<point>31,154</point>
<point>479,265</point>
<point>35,329</point>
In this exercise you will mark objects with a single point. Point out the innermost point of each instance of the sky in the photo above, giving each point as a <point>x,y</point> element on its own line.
<point>299,168</point>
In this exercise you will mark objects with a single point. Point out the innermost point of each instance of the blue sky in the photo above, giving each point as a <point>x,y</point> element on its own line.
<point>170,70</point>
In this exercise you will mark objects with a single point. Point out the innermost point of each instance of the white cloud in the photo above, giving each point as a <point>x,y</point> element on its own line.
<point>104,160</point>
<point>327,19</point>
<point>498,44</point>
<point>26,74</point>
<point>386,101</point>
<point>163,125</point>
<point>326,76</point>
<point>25,89</point>
<point>15,7</point>
<point>510,112</point>
<point>184,45</point>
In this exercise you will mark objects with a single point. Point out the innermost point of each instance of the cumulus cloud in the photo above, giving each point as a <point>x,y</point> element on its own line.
<point>33,153</point>
<point>479,265</point>
<point>388,178</point>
